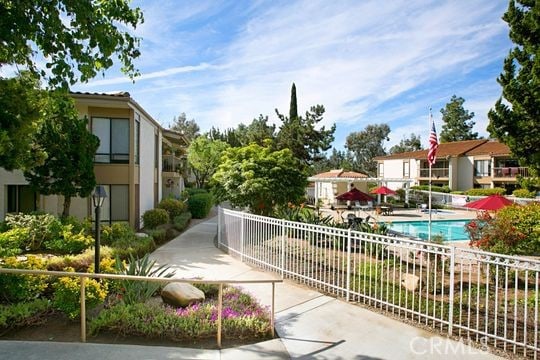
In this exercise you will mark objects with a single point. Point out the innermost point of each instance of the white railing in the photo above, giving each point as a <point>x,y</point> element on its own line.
<point>478,296</point>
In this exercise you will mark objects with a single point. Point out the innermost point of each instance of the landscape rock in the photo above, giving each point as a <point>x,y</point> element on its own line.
<point>410,282</point>
<point>181,294</point>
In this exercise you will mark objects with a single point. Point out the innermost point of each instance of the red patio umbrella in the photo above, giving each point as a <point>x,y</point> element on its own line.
<point>492,202</point>
<point>354,195</point>
<point>383,190</point>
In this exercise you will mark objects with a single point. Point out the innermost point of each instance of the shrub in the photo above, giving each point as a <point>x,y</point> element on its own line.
<point>155,217</point>
<point>200,204</point>
<point>24,314</point>
<point>182,221</point>
<point>443,189</point>
<point>139,247</point>
<point>135,291</point>
<point>12,241</point>
<point>80,262</point>
<point>77,225</point>
<point>68,242</point>
<point>195,191</point>
<point>515,230</point>
<point>172,206</point>
<point>23,287</point>
<point>159,236</point>
<point>524,193</point>
<point>118,234</point>
<point>67,290</point>
<point>41,228</point>
<point>485,192</point>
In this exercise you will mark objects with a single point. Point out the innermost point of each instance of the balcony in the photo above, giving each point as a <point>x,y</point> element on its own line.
<point>172,164</point>
<point>510,172</point>
<point>435,172</point>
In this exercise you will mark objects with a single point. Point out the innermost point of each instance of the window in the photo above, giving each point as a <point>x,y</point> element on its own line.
<point>136,143</point>
<point>406,166</point>
<point>381,169</point>
<point>116,205</point>
<point>21,198</point>
<point>113,137</point>
<point>482,167</point>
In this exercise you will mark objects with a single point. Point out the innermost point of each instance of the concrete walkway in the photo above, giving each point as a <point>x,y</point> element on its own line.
<point>309,324</point>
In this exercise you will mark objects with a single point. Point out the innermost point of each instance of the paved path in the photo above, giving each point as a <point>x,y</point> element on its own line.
<point>310,325</point>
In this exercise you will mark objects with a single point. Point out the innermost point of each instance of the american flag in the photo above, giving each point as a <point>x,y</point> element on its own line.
<point>433,144</point>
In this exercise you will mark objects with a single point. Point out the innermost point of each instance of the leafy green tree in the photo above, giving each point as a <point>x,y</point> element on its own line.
<point>301,136</point>
<point>259,131</point>
<point>412,143</point>
<point>367,144</point>
<point>204,156</point>
<point>189,128</point>
<point>259,178</point>
<point>74,39</point>
<point>20,104</point>
<point>293,108</point>
<point>515,119</point>
<point>336,160</point>
<point>68,169</point>
<point>457,123</point>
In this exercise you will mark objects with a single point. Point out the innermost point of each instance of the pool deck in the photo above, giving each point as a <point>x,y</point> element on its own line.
<point>401,214</point>
<point>411,214</point>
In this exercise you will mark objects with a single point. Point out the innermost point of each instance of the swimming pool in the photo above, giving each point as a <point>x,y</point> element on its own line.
<point>451,230</point>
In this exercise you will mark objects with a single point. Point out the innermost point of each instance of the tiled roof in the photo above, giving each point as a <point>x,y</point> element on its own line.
<point>114,94</point>
<point>491,148</point>
<point>455,148</point>
<point>340,174</point>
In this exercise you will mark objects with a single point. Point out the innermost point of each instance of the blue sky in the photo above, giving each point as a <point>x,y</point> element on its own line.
<point>367,62</point>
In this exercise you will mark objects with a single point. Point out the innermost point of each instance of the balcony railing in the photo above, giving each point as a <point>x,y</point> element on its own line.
<point>172,163</point>
<point>435,172</point>
<point>510,172</point>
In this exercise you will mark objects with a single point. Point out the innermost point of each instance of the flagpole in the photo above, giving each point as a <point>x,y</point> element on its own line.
<point>429,161</point>
<point>429,205</point>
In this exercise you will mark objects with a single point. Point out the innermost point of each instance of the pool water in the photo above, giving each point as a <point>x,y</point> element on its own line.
<point>451,230</point>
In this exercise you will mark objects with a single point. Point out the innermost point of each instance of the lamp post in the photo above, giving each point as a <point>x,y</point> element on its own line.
<point>98,197</point>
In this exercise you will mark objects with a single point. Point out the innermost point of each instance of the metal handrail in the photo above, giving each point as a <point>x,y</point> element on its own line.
<point>84,276</point>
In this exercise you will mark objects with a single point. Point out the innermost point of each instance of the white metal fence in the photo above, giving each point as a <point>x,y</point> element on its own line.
<point>478,296</point>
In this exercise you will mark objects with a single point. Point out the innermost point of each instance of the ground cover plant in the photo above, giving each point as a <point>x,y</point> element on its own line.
<point>243,318</point>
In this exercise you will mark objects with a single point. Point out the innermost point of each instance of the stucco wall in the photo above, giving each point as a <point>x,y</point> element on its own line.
<point>147,154</point>
<point>465,166</point>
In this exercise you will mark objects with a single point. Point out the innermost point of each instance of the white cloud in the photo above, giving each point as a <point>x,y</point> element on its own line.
<point>367,62</point>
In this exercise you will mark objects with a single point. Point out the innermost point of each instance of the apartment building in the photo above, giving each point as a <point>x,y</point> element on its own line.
<point>129,163</point>
<point>460,165</point>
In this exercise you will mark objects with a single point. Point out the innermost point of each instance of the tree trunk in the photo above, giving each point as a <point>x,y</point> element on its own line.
<point>67,204</point>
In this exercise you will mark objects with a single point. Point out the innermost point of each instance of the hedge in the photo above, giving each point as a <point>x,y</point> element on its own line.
<point>182,221</point>
<point>485,192</point>
<point>200,204</point>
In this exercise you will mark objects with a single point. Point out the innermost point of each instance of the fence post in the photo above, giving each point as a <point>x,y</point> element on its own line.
<point>219,310</point>
<point>282,248</point>
<point>348,286</point>
<point>242,238</point>
<point>219,226</point>
<point>83,309</point>
<point>451,293</point>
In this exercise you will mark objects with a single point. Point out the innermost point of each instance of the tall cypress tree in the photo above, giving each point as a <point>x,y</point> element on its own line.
<point>293,110</point>
<point>516,124</point>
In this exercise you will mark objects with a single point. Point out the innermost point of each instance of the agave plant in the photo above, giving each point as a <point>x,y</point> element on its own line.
<point>137,291</point>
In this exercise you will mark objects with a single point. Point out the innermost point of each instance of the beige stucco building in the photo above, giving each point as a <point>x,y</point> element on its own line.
<point>460,165</point>
<point>129,163</point>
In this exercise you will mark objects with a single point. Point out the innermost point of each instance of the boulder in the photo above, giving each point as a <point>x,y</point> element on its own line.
<point>410,282</point>
<point>181,294</point>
